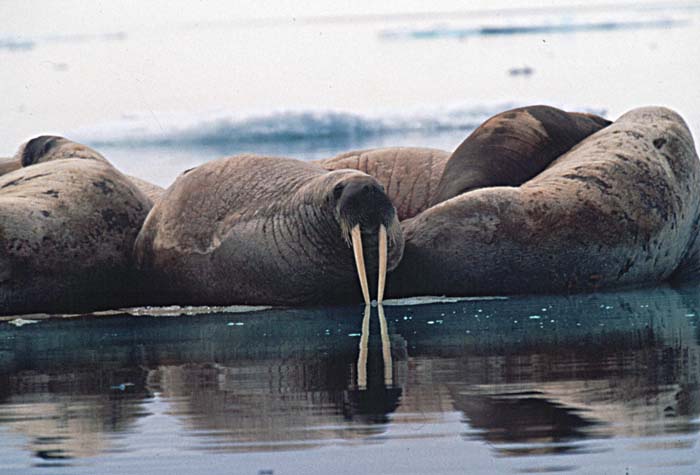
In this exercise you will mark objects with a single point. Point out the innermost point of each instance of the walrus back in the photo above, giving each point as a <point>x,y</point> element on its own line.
<point>219,193</point>
<point>513,147</point>
<point>225,231</point>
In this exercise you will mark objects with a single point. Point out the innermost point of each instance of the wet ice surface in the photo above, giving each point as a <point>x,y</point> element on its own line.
<point>599,383</point>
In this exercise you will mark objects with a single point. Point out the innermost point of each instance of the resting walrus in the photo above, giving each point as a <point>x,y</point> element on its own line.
<point>507,149</point>
<point>620,208</point>
<point>512,147</point>
<point>69,221</point>
<point>265,230</point>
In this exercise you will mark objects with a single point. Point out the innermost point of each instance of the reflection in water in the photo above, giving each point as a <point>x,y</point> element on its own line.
<point>362,353</point>
<point>68,413</point>
<point>372,400</point>
<point>386,349</point>
<point>530,376</point>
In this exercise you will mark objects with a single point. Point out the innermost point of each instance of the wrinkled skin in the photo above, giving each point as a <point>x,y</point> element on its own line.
<point>409,175</point>
<point>69,221</point>
<point>620,208</point>
<point>264,230</point>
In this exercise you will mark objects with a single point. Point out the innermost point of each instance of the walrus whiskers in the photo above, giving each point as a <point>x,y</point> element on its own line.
<point>383,247</point>
<point>360,261</point>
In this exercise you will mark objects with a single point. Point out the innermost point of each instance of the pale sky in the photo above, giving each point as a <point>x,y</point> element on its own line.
<point>67,82</point>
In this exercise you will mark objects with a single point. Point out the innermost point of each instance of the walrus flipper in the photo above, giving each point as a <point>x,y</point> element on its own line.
<point>512,147</point>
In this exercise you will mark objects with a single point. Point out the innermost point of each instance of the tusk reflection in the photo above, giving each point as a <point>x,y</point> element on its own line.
<point>386,347</point>
<point>364,349</point>
<point>382,263</point>
<point>362,358</point>
<point>360,261</point>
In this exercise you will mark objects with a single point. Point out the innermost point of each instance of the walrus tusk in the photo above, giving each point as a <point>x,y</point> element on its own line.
<point>360,261</point>
<point>382,263</point>
<point>362,356</point>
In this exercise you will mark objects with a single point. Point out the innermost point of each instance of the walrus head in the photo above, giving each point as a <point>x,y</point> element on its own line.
<point>362,207</point>
<point>52,147</point>
<point>31,152</point>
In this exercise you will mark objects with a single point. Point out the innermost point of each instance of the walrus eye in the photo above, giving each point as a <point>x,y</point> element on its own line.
<point>338,191</point>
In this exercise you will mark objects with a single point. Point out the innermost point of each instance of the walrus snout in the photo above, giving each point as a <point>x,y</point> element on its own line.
<point>364,208</point>
<point>364,202</point>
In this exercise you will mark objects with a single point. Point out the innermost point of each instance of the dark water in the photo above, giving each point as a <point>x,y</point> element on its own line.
<point>603,383</point>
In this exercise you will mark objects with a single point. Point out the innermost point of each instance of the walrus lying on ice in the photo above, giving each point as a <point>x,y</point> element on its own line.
<point>535,200</point>
<point>506,150</point>
<point>68,221</point>
<point>620,208</point>
<point>265,230</point>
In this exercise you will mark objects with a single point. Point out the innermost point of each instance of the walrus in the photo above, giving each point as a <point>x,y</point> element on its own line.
<point>267,230</point>
<point>620,208</point>
<point>512,147</point>
<point>508,149</point>
<point>46,148</point>
<point>153,191</point>
<point>69,221</point>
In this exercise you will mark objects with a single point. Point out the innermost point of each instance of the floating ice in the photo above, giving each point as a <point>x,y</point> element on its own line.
<point>20,322</point>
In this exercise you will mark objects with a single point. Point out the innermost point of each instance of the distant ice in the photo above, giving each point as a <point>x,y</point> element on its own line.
<point>293,126</point>
<point>21,43</point>
<point>176,310</point>
<point>20,322</point>
<point>529,29</point>
<point>429,299</point>
<point>16,44</point>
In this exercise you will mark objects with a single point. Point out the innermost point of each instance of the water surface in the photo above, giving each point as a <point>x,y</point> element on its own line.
<point>594,383</point>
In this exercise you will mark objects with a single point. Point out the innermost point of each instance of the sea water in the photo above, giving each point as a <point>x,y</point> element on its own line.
<point>602,383</point>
